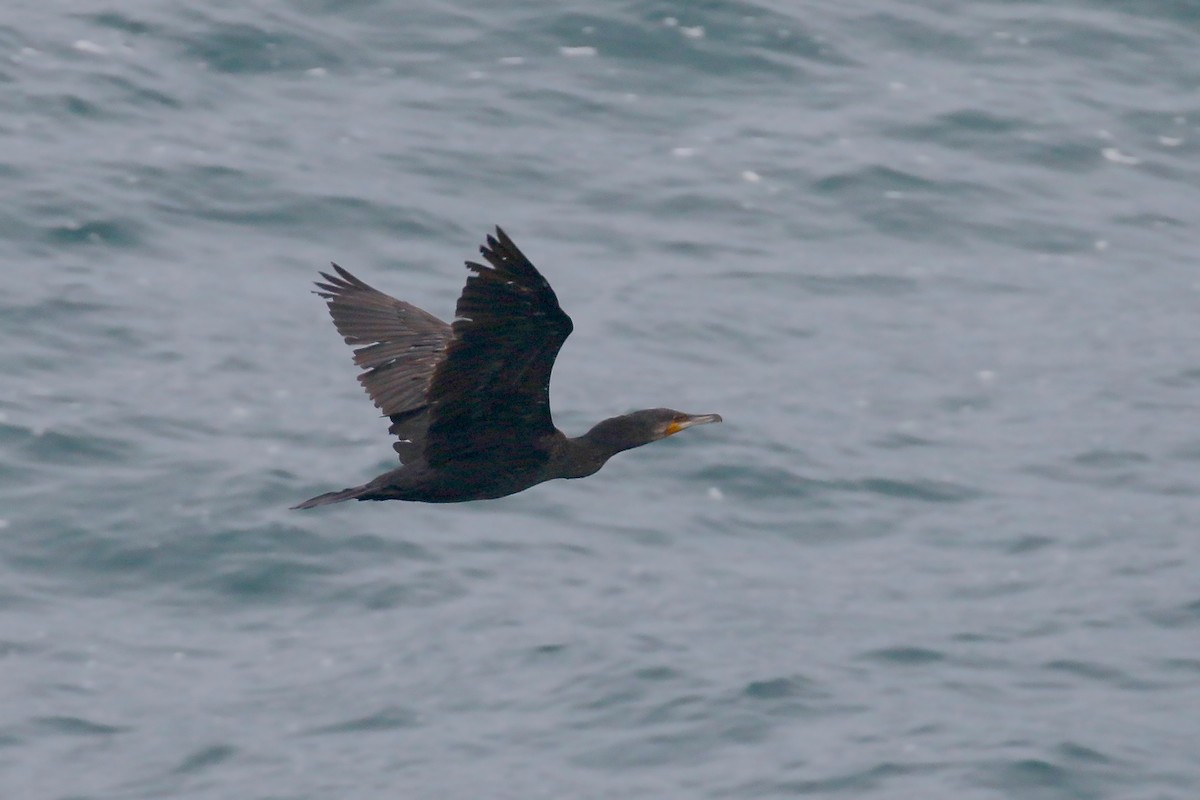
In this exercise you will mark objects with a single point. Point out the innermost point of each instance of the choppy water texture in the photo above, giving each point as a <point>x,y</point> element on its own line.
<point>935,263</point>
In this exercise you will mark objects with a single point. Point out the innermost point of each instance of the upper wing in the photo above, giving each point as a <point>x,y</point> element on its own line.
<point>402,347</point>
<point>490,395</point>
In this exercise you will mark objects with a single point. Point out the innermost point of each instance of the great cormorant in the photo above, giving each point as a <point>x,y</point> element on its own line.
<point>470,402</point>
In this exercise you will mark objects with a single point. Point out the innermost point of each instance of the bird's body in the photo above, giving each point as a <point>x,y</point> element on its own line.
<point>469,479</point>
<point>470,402</point>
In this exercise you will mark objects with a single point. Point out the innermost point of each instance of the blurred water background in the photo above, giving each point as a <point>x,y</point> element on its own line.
<point>935,263</point>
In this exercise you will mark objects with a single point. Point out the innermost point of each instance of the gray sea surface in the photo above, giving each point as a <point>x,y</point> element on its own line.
<point>936,263</point>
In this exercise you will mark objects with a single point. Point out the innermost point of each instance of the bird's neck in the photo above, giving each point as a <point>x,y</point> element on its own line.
<point>580,457</point>
<point>603,441</point>
<point>584,455</point>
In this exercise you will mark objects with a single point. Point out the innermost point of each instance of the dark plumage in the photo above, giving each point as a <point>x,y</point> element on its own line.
<point>470,402</point>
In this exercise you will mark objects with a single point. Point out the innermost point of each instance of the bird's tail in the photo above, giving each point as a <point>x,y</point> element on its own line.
<point>353,493</point>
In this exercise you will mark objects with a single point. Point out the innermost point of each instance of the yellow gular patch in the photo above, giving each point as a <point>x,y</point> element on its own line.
<point>673,427</point>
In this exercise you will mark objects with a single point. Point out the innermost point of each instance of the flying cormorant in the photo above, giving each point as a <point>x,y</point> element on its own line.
<point>470,402</point>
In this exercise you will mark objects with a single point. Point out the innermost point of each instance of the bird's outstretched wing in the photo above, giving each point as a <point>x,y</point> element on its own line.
<point>398,346</point>
<point>490,395</point>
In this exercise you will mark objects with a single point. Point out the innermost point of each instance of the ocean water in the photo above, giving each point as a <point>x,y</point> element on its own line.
<point>937,264</point>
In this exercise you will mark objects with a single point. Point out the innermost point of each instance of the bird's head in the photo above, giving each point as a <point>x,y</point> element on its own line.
<point>642,427</point>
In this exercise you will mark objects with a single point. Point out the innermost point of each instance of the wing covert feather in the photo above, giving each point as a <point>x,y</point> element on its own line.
<point>490,395</point>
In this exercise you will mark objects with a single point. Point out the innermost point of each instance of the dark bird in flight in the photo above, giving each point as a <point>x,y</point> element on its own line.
<point>470,402</point>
